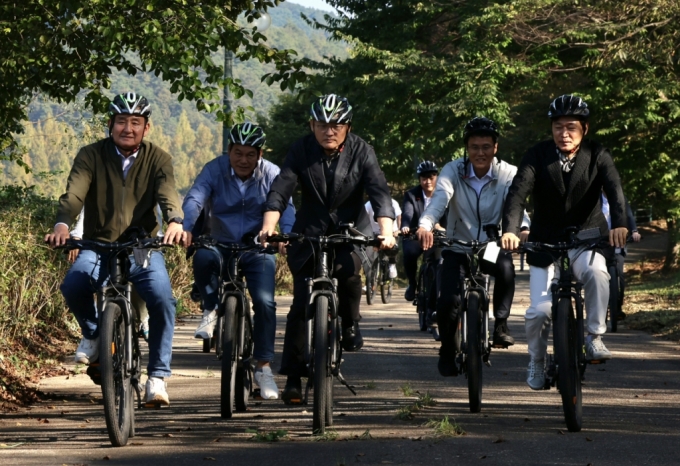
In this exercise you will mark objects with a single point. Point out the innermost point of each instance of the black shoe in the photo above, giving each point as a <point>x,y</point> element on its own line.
<point>351,338</point>
<point>292,392</point>
<point>195,295</point>
<point>501,335</point>
<point>410,293</point>
<point>447,363</point>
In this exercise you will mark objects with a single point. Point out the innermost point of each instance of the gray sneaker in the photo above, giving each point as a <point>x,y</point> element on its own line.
<point>536,374</point>
<point>595,349</point>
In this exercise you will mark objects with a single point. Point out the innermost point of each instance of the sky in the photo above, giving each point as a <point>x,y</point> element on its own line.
<point>319,4</point>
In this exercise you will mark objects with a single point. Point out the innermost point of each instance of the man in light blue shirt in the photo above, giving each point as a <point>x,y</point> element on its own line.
<point>236,186</point>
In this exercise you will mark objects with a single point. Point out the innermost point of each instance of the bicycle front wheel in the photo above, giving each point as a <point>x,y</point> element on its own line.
<point>116,387</point>
<point>421,299</point>
<point>371,281</point>
<point>566,355</point>
<point>229,357</point>
<point>322,376</point>
<point>473,361</point>
<point>244,372</point>
<point>385,283</point>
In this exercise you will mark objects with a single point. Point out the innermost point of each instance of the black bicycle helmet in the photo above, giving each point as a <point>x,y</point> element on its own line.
<point>331,108</point>
<point>568,105</point>
<point>480,126</point>
<point>426,167</point>
<point>130,103</point>
<point>247,134</point>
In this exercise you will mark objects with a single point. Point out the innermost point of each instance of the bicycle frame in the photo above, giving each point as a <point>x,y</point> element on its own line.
<point>475,281</point>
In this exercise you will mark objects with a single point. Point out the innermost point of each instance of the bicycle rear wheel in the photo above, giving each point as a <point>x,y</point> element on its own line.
<point>321,373</point>
<point>613,298</point>
<point>244,372</point>
<point>116,387</point>
<point>421,297</point>
<point>371,281</point>
<point>566,355</point>
<point>473,361</point>
<point>229,357</point>
<point>385,285</point>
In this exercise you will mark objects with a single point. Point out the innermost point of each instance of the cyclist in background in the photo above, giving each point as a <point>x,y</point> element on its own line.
<point>119,180</point>
<point>416,200</point>
<point>370,252</point>
<point>474,188</point>
<point>565,177</point>
<point>334,168</point>
<point>236,185</point>
<point>620,253</point>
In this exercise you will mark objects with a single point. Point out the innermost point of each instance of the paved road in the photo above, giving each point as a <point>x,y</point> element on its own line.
<point>631,409</point>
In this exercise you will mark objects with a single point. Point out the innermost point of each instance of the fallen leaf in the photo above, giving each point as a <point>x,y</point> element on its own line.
<point>136,444</point>
<point>499,440</point>
<point>560,432</point>
<point>168,435</point>
<point>637,396</point>
<point>218,439</point>
<point>209,458</point>
<point>284,421</point>
<point>390,325</point>
<point>381,328</point>
<point>87,421</point>
<point>50,407</point>
<point>589,439</point>
<point>482,457</point>
<point>415,439</point>
<point>106,458</point>
<point>526,419</point>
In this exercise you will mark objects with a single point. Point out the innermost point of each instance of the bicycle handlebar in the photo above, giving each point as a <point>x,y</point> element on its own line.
<point>602,241</point>
<point>207,242</point>
<point>327,240</point>
<point>90,245</point>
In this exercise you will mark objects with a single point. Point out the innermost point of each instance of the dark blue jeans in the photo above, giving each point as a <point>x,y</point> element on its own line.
<point>90,272</point>
<point>259,270</point>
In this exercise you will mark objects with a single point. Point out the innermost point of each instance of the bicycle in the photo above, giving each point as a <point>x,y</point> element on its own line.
<point>427,278</point>
<point>616,289</point>
<point>379,274</point>
<point>566,367</point>
<point>322,349</point>
<point>472,342</point>
<point>120,358</point>
<point>233,339</point>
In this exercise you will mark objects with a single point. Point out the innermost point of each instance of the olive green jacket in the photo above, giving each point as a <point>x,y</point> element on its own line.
<point>112,204</point>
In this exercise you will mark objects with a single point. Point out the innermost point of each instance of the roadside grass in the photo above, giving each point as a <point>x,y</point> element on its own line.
<point>267,436</point>
<point>652,299</point>
<point>329,436</point>
<point>408,413</point>
<point>407,390</point>
<point>445,427</point>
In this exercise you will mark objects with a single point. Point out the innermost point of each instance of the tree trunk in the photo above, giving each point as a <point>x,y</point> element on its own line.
<point>672,261</point>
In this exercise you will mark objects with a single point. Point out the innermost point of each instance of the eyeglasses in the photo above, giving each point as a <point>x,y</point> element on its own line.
<point>334,127</point>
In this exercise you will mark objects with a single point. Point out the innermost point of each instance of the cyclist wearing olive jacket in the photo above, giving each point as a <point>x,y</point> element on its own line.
<point>565,177</point>
<point>120,180</point>
<point>334,167</point>
<point>474,189</point>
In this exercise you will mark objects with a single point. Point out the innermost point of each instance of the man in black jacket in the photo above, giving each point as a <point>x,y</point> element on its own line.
<point>334,168</point>
<point>565,177</point>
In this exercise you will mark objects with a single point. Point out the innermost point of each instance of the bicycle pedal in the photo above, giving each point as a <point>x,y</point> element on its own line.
<point>293,402</point>
<point>152,405</point>
<point>500,346</point>
<point>596,361</point>
<point>257,395</point>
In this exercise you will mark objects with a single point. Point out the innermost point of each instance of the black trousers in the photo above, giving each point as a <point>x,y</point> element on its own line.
<point>412,252</point>
<point>452,282</point>
<point>346,268</point>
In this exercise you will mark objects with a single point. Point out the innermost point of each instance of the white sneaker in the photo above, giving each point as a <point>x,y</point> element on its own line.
<point>536,374</point>
<point>393,271</point>
<point>156,392</point>
<point>265,380</point>
<point>144,329</point>
<point>207,325</point>
<point>88,351</point>
<point>595,348</point>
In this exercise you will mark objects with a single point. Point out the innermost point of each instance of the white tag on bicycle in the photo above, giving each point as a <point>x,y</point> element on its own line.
<point>141,256</point>
<point>491,252</point>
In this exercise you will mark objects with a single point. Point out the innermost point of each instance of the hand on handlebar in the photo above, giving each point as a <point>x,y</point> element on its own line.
<point>405,230</point>
<point>617,237</point>
<point>425,237</point>
<point>388,241</point>
<point>510,241</point>
<point>636,237</point>
<point>175,234</point>
<point>59,237</point>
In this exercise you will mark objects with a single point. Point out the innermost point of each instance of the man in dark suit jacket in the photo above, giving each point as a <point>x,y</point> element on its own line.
<point>334,167</point>
<point>413,207</point>
<point>565,177</point>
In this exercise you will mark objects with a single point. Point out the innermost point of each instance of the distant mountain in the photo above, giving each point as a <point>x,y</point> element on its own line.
<point>56,132</point>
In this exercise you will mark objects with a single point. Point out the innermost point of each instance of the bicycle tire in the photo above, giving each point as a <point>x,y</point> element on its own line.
<point>473,361</point>
<point>244,372</point>
<point>207,345</point>
<point>371,281</point>
<point>421,296</point>
<point>116,390</point>
<point>131,409</point>
<point>385,286</point>
<point>612,305</point>
<point>219,337</point>
<point>568,373</point>
<point>229,358</point>
<point>321,373</point>
<point>334,344</point>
